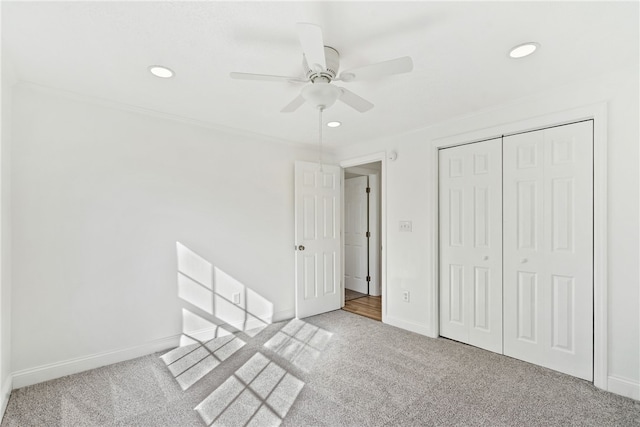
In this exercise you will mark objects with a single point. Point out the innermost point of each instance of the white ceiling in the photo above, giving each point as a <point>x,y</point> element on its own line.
<point>459,50</point>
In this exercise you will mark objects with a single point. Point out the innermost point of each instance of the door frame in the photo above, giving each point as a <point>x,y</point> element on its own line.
<point>365,251</point>
<point>360,161</point>
<point>597,113</point>
<point>373,218</point>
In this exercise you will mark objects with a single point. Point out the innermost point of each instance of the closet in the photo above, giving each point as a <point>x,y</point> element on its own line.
<point>516,246</point>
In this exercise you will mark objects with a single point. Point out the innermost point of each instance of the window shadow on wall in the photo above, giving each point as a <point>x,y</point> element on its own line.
<point>219,313</point>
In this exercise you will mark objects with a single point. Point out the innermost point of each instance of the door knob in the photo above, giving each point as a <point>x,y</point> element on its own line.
<point>523,260</point>
<point>486,257</point>
<point>301,248</point>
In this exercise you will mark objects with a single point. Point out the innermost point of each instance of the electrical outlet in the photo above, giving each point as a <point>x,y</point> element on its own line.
<point>405,226</point>
<point>405,296</point>
<point>236,298</point>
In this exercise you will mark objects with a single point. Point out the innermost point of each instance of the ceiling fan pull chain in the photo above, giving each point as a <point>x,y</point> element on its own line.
<point>320,139</point>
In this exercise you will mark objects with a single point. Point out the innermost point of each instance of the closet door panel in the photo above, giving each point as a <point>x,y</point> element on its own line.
<point>453,242</point>
<point>523,171</point>
<point>548,248</point>
<point>471,244</point>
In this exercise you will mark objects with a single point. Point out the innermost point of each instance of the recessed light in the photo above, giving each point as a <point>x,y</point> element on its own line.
<point>333,124</point>
<point>524,49</point>
<point>160,71</point>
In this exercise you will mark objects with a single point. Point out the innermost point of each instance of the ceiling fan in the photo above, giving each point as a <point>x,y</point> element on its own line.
<point>320,66</point>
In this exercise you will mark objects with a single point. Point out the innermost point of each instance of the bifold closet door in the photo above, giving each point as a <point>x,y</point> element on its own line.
<point>471,244</point>
<point>548,248</point>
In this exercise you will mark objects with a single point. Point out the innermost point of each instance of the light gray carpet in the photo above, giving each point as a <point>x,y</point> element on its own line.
<point>330,370</point>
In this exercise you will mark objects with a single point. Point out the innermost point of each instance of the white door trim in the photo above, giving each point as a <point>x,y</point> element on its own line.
<point>597,112</point>
<point>363,160</point>
<point>355,227</point>
<point>374,242</point>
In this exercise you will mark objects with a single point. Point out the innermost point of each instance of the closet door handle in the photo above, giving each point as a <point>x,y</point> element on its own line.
<point>523,260</point>
<point>486,257</point>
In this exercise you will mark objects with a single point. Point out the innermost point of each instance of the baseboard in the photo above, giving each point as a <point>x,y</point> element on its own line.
<point>55,370</point>
<point>624,387</point>
<point>409,326</point>
<point>283,315</point>
<point>51,371</point>
<point>6,393</point>
<point>222,330</point>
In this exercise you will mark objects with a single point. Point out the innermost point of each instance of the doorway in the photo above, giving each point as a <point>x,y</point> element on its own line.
<point>319,236</point>
<point>362,240</point>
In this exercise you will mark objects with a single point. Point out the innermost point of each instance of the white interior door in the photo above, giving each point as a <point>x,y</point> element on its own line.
<point>548,248</point>
<point>471,244</point>
<point>317,234</point>
<point>356,247</point>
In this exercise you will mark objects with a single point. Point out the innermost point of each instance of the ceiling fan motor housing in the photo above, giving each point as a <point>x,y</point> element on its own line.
<point>332,59</point>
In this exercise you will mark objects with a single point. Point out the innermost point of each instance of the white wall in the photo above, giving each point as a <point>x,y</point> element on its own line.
<point>410,256</point>
<point>102,196</point>
<point>8,79</point>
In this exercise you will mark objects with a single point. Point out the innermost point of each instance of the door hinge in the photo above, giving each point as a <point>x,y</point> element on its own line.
<point>368,189</point>
<point>368,278</point>
<point>368,234</point>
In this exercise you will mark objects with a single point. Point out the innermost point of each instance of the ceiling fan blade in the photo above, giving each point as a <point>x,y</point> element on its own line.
<point>268,77</point>
<point>354,101</point>
<point>293,105</point>
<point>312,45</point>
<point>379,69</point>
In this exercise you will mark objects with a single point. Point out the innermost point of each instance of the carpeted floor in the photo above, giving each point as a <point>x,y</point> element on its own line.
<point>336,369</point>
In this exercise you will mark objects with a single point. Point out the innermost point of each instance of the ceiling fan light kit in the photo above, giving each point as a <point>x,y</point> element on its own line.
<point>321,94</point>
